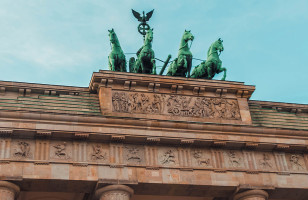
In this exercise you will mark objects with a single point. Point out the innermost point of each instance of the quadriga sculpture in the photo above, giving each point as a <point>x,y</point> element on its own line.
<point>182,64</point>
<point>145,62</point>
<point>212,65</point>
<point>116,57</point>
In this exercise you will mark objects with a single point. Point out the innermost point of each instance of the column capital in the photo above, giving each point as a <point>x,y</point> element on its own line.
<point>251,195</point>
<point>110,190</point>
<point>14,189</point>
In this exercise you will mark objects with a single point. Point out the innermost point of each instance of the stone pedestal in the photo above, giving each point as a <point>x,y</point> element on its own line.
<point>114,192</point>
<point>251,195</point>
<point>8,191</point>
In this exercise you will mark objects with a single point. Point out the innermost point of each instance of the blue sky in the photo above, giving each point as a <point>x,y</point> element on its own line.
<point>63,41</point>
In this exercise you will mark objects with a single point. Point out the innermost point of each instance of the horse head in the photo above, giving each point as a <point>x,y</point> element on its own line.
<point>149,36</point>
<point>187,36</point>
<point>113,37</point>
<point>218,45</point>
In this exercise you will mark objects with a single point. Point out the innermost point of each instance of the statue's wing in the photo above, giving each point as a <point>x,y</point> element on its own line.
<point>149,15</point>
<point>137,15</point>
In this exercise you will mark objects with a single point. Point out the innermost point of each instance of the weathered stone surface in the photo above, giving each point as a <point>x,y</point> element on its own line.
<point>114,192</point>
<point>252,195</point>
<point>8,191</point>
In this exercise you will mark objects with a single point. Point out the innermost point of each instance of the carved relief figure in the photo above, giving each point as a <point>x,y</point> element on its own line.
<point>22,150</point>
<point>234,160</point>
<point>201,161</point>
<point>98,153</point>
<point>61,151</point>
<point>265,162</point>
<point>136,103</point>
<point>176,105</point>
<point>168,157</point>
<point>133,154</point>
<point>296,165</point>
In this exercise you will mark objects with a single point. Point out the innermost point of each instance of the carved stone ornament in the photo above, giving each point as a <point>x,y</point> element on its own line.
<point>22,150</point>
<point>133,154</point>
<point>234,160</point>
<point>168,157</point>
<point>295,163</point>
<point>175,105</point>
<point>197,154</point>
<point>265,162</point>
<point>98,153</point>
<point>60,151</point>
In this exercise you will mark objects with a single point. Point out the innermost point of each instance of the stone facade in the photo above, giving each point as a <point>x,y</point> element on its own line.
<point>134,136</point>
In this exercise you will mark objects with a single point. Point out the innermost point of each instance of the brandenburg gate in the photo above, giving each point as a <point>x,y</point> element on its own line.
<point>135,136</point>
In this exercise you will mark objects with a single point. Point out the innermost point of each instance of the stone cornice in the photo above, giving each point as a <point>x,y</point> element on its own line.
<point>290,107</point>
<point>39,88</point>
<point>102,77</point>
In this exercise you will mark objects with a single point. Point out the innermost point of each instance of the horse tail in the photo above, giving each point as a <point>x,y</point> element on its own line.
<point>131,64</point>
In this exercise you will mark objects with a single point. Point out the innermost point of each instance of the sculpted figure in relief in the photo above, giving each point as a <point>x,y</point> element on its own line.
<point>198,156</point>
<point>233,159</point>
<point>133,154</point>
<point>60,151</point>
<point>168,157</point>
<point>265,162</point>
<point>176,105</point>
<point>296,165</point>
<point>22,150</point>
<point>98,153</point>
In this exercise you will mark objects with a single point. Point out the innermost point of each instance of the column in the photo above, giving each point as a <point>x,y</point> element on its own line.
<point>8,191</point>
<point>251,195</point>
<point>114,192</point>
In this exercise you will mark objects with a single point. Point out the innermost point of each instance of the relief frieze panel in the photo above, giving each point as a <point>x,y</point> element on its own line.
<point>201,158</point>
<point>175,105</point>
<point>60,150</point>
<point>154,156</point>
<point>234,159</point>
<point>265,161</point>
<point>134,154</point>
<point>168,156</point>
<point>98,152</point>
<point>23,149</point>
<point>296,162</point>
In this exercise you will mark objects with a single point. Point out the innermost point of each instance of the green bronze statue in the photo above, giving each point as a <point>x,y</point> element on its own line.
<point>212,65</point>
<point>182,64</point>
<point>145,62</point>
<point>116,57</point>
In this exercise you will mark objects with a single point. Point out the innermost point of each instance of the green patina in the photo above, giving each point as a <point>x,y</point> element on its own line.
<point>145,62</point>
<point>116,57</point>
<point>181,65</point>
<point>212,65</point>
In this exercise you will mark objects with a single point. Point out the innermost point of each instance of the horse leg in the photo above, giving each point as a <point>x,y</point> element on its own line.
<point>209,71</point>
<point>225,73</point>
<point>112,63</point>
<point>154,66</point>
